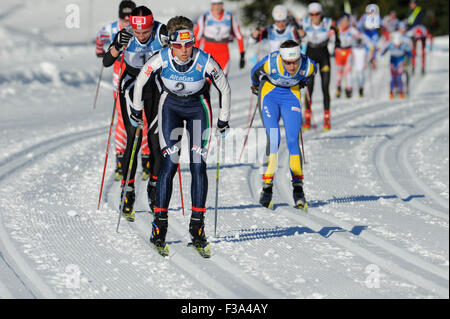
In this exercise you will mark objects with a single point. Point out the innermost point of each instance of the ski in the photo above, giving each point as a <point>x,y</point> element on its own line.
<point>204,251</point>
<point>129,216</point>
<point>302,206</point>
<point>162,250</point>
<point>268,205</point>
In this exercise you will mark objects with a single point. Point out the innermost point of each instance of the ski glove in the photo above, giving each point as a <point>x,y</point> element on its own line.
<point>255,90</point>
<point>122,39</point>
<point>222,128</point>
<point>242,61</point>
<point>136,118</point>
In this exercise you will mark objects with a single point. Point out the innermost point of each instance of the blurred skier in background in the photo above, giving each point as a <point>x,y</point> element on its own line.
<point>214,30</point>
<point>417,32</point>
<point>344,55</point>
<point>389,24</point>
<point>370,24</point>
<point>283,29</point>
<point>104,37</point>
<point>316,31</point>
<point>145,38</point>
<point>398,50</point>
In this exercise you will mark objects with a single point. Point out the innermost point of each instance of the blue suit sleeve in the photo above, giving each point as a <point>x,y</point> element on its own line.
<point>257,71</point>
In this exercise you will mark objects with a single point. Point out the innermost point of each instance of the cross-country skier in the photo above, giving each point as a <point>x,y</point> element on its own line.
<point>214,30</point>
<point>389,24</point>
<point>370,24</point>
<point>344,55</point>
<point>317,30</point>
<point>362,52</point>
<point>148,37</point>
<point>104,37</point>
<point>398,49</point>
<point>183,71</point>
<point>277,80</point>
<point>277,33</point>
<point>417,32</point>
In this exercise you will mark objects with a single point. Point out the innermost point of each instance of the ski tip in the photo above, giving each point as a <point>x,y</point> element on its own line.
<point>302,206</point>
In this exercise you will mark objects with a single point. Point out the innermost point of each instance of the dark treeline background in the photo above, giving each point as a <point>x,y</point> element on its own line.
<point>436,11</point>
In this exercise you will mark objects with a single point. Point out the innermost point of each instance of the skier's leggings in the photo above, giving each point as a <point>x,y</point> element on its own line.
<point>321,57</point>
<point>173,112</point>
<point>414,51</point>
<point>151,97</point>
<point>397,72</point>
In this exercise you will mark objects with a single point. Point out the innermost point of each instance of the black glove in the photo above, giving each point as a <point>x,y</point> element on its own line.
<point>242,62</point>
<point>303,84</point>
<point>255,90</point>
<point>222,128</point>
<point>122,39</point>
<point>136,118</point>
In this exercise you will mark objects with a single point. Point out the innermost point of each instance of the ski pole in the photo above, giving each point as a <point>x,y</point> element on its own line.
<point>248,131</point>
<point>130,165</point>
<point>217,185</point>
<point>303,149</point>
<point>181,188</point>
<point>98,85</point>
<point>109,139</point>
<point>308,100</point>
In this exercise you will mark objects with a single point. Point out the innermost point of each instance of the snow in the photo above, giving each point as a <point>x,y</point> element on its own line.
<point>377,184</point>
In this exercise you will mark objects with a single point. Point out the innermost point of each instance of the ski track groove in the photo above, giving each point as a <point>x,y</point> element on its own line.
<point>402,156</point>
<point>183,255</point>
<point>385,172</point>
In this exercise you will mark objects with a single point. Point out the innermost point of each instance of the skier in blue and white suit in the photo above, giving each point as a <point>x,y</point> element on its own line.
<point>370,24</point>
<point>183,71</point>
<point>277,80</point>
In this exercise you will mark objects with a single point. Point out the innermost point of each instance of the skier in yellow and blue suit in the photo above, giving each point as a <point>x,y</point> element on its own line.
<point>277,79</point>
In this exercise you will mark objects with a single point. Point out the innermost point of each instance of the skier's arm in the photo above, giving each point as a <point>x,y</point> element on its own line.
<point>120,41</point>
<point>215,73</point>
<point>163,35</point>
<point>258,71</point>
<point>147,73</point>
<point>259,34</point>
<point>238,35</point>
<point>198,30</point>
<point>310,72</point>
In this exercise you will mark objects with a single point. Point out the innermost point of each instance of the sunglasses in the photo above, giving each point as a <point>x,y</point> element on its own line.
<point>185,44</point>
<point>314,14</point>
<point>296,62</point>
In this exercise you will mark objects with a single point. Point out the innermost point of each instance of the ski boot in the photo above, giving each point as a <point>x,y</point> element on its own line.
<point>198,237</point>
<point>338,92</point>
<point>391,96</point>
<point>299,196</point>
<point>348,93</point>
<point>326,121</point>
<point>361,92</point>
<point>266,196</point>
<point>151,192</point>
<point>423,71</point>
<point>119,167</point>
<point>307,121</point>
<point>159,231</point>
<point>127,209</point>
<point>145,160</point>
<point>401,95</point>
